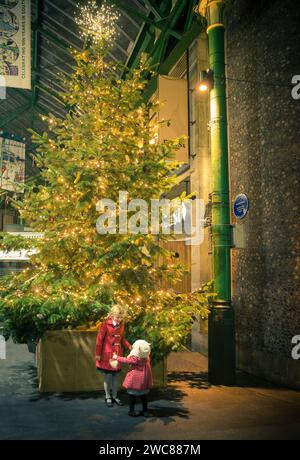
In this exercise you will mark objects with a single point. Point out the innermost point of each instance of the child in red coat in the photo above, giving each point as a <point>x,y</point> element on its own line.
<point>110,340</point>
<point>138,380</point>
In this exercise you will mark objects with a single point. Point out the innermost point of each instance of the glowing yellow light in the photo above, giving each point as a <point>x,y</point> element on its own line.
<point>203,87</point>
<point>97,23</point>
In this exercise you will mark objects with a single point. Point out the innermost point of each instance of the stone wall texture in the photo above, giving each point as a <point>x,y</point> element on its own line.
<point>263,54</point>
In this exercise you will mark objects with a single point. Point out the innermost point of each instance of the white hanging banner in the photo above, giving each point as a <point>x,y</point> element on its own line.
<point>12,161</point>
<point>15,43</point>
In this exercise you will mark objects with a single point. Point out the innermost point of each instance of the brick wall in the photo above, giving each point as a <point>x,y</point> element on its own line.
<point>263,50</point>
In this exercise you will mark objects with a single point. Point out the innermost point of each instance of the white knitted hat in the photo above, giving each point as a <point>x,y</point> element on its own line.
<point>140,349</point>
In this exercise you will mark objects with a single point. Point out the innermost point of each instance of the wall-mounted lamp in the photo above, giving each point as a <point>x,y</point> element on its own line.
<point>206,82</point>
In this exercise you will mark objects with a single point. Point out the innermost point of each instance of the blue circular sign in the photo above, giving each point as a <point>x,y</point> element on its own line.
<point>240,206</point>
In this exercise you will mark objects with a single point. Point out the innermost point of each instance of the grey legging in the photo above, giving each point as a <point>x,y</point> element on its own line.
<point>111,383</point>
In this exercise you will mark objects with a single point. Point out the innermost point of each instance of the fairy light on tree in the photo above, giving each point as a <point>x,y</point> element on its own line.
<point>97,24</point>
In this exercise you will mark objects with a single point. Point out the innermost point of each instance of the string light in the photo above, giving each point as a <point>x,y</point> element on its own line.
<point>97,24</point>
<point>117,135</point>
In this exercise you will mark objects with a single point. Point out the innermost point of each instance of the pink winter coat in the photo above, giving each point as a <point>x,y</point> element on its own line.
<point>110,340</point>
<point>139,377</point>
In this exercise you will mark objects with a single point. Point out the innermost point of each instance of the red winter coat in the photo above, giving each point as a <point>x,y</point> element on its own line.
<point>139,377</point>
<point>110,340</point>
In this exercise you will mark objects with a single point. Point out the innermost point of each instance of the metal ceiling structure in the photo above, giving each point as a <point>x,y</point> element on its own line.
<point>162,28</point>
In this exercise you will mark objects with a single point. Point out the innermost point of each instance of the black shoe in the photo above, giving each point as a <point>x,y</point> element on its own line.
<point>144,413</point>
<point>132,413</point>
<point>118,401</point>
<point>109,402</point>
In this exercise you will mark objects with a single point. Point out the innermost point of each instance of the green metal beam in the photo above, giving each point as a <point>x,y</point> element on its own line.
<point>121,5</point>
<point>169,24</point>
<point>172,32</point>
<point>173,57</point>
<point>190,15</point>
<point>181,47</point>
<point>160,51</point>
<point>176,12</point>
<point>165,7</point>
<point>145,37</point>
<point>153,8</point>
<point>134,13</point>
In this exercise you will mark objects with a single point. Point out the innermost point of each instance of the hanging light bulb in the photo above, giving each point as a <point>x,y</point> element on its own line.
<point>206,80</point>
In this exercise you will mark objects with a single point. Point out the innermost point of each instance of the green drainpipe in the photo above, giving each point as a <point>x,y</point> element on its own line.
<point>221,335</point>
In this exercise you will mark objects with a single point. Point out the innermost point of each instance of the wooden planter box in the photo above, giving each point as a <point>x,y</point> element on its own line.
<point>66,363</point>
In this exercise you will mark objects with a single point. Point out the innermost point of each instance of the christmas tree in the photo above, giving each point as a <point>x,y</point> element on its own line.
<point>105,146</point>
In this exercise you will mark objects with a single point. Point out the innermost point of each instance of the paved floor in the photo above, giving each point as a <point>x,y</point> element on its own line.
<point>188,409</point>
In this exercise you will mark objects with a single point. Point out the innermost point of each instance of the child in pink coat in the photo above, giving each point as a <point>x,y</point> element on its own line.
<point>138,380</point>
